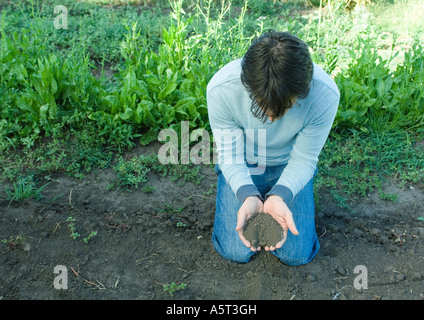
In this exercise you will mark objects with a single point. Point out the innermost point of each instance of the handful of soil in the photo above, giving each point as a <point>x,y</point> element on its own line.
<point>263,230</point>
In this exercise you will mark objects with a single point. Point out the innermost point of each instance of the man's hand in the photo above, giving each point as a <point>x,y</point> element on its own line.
<point>278,209</point>
<point>250,206</point>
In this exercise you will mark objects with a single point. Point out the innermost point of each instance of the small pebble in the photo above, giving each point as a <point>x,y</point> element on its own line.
<point>310,278</point>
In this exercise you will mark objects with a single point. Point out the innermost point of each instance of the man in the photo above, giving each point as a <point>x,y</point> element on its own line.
<point>274,89</point>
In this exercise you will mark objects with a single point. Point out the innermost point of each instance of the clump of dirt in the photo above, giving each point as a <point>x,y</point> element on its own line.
<point>263,230</point>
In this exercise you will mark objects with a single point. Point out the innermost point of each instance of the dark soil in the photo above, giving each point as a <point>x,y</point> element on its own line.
<point>263,230</point>
<point>148,239</point>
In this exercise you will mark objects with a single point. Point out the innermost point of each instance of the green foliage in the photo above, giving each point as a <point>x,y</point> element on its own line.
<point>160,89</point>
<point>90,236</point>
<point>360,163</point>
<point>24,188</point>
<point>155,69</point>
<point>133,172</point>
<point>161,82</point>
<point>172,287</point>
<point>376,99</point>
<point>41,93</point>
<point>14,242</point>
<point>74,233</point>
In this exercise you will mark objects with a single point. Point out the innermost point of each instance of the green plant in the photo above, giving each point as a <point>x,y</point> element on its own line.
<point>23,189</point>
<point>74,234</point>
<point>14,242</point>
<point>356,164</point>
<point>61,115</point>
<point>169,209</point>
<point>131,173</point>
<point>46,92</point>
<point>172,287</point>
<point>376,99</point>
<point>91,235</point>
<point>158,89</point>
<point>148,188</point>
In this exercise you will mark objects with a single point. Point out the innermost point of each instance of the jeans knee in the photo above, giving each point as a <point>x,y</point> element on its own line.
<point>293,258</point>
<point>234,254</point>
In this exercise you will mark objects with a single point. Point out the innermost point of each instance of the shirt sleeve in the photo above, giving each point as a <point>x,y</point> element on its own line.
<point>229,139</point>
<point>306,149</point>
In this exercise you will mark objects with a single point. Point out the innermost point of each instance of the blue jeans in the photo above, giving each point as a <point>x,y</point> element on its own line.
<point>297,250</point>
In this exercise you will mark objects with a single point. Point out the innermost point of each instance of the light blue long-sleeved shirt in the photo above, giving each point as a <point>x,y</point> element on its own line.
<point>296,139</point>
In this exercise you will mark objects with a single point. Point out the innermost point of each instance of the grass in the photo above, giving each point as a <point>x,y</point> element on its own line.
<point>23,189</point>
<point>59,113</point>
<point>400,16</point>
<point>360,164</point>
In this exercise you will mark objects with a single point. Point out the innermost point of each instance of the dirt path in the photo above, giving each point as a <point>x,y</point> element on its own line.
<point>145,240</point>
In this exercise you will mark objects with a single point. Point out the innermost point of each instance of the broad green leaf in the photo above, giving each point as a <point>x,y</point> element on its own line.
<point>152,80</point>
<point>43,111</point>
<point>53,86</point>
<point>147,118</point>
<point>181,115</point>
<point>150,136</point>
<point>349,113</point>
<point>369,103</point>
<point>184,103</point>
<point>127,114</point>
<point>192,111</point>
<point>167,90</point>
<point>137,115</point>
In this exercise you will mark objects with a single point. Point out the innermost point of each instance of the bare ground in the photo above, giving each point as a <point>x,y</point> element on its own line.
<point>148,239</point>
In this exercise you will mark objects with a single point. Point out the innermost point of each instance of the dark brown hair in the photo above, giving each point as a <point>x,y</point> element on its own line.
<point>276,71</point>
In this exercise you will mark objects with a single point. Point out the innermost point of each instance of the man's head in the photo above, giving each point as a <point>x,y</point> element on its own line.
<point>276,70</point>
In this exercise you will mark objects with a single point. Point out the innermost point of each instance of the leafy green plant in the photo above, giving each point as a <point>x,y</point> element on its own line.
<point>181,224</point>
<point>131,173</point>
<point>14,242</point>
<point>48,90</point>
<point>157,69</point>
<point>374,98</point>
<point>158,89</point>
<point>74,233</point>
<point>360,163</point>
<point>90,236</point>
<point>172,287</point>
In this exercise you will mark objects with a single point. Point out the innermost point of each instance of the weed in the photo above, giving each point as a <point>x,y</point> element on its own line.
<point>169,209</point>
<point>359,164</point>
<point>131,173</point>
<point>91,235</point>
<point>13,243</point>
<point>181,224</point>
<point>25,188</point>
<point>171,288</point>
<point>75,235</point>
<point>148,188</point>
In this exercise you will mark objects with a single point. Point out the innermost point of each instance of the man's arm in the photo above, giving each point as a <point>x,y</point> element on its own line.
<point>304,155</point>
<point>229,139</point>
